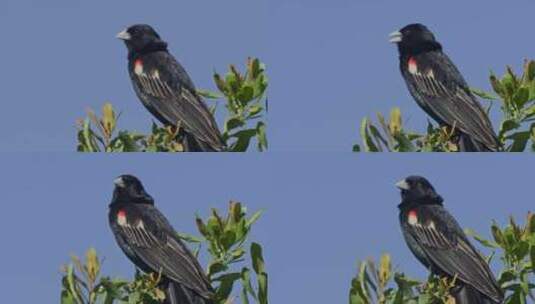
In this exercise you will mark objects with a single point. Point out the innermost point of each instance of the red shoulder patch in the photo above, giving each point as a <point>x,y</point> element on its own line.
<point>121,217</point>
<point>413,217</point>
<point>138,66</point>
<point>412,65</point>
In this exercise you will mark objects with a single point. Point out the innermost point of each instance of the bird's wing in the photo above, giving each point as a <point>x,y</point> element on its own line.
<point>173,95</point>
<point>447,97</point>
<point>446,246</point>
<point>154,241</point>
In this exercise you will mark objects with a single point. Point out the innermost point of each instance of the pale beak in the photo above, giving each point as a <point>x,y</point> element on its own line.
<point>119,182</point>
<point>403,185</point>
<point>395,37</point>
<point>124,35</point>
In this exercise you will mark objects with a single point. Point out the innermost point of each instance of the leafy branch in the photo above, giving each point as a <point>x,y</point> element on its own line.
<point>515,244</point>
<point>245,99</point>
<point>516,95</point>
<point>226,239</point>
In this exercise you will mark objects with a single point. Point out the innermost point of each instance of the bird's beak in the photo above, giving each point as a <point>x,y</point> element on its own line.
<point>395,37</point>
<point>124,35</point>
<point>119,182</point>
<point>403,185</point>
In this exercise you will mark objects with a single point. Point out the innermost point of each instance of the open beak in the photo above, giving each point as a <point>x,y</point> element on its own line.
<point>119,182</point>
<point>124,35</point>
<point>402,185</point>
<point>395,37</point>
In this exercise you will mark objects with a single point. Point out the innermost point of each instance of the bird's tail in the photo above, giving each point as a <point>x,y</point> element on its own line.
<point>469,144</point>
<point>178,294</point>
<point>465,294</point>
<point>191,144</point>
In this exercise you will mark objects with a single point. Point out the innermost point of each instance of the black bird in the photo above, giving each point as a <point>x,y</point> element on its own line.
<point>439,243</point>
<point>151,243</point>
<point>166,90</point>
<point>440,89</point>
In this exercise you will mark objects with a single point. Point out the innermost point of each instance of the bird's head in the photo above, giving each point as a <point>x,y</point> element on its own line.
<point>418,190</point>
<point>128,189</point>
<point>141,38</point>
<point>414,38</point>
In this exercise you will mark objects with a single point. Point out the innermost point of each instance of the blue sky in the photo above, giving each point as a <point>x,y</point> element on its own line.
<point>323,211</point>
<point>329,62</point>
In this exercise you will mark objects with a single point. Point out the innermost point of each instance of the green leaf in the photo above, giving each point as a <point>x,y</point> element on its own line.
<point>226,285</point>
<point>71,285</point>
<point>227,239</point>
<point>237,254</point>
<point>67,298</point>
<point>246,282</point>
<point>521,96</point>
<point>258,259</point>
<point>189,238</point>
<point>245,94</point>
<point>506,126</point>
<point>509,82</point>
<point>213,226</point>
<point>529,111</point>
<point>108,119</point>
<point>532,256</point>
<point>260,87</point>
<point>201,226</point>
<point>232,82</point>
<point>92,265</point>
<point>363,279</point>
<point>254,218</point>
<point>369,145</point>
<point>261,136</point>
<point>404,143</point>
<point>520,140</point>
<point>496,85</point>
<point>521,250</point>
<point>233,123</point>
<point>396,122</point>
<point>529,71</point>
<point>254,110</point>
<point>497,234</point>
<point>220,83</point>
<point>378,137</point>
<point>243,139</point>
<point>216,267</point>
<point>134,298</point>
<point>483,94</point>
<point>263,288</point>
<point>385,269</point>
<point>209,94</point>
<point>254,68</point>
<point>87,139</point>
<point>480,239</point>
